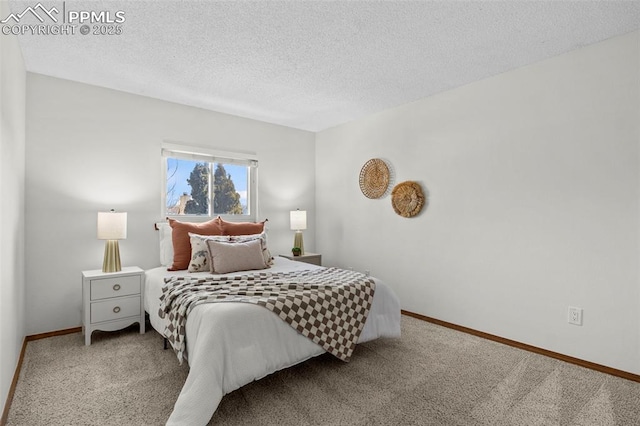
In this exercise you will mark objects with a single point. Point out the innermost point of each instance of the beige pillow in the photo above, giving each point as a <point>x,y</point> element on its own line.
<point>200,257</point>
<point>233,257</point>
<point>268,259</point>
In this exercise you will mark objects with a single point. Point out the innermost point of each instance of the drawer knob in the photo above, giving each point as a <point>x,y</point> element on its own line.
<point>116,309</point>
<point>116,287</point>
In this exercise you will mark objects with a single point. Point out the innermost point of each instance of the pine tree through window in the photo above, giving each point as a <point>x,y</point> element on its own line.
<point>209,186</point>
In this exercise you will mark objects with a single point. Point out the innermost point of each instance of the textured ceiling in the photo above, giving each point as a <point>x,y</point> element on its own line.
<point>315,64</point>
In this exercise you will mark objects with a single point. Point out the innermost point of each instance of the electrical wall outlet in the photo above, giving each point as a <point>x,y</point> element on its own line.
<point>575,315</point>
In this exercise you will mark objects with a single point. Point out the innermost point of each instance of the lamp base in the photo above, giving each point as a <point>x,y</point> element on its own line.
<point>297,241</point>
<point>111,262</point>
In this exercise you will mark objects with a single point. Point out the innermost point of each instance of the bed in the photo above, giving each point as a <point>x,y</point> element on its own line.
<point>229,345</point>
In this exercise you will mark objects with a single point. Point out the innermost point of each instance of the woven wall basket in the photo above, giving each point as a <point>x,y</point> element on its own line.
<point>374,178</point>
<point>407,198</point>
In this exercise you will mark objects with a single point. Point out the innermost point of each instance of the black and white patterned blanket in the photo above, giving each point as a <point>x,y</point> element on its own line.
<point>329,306</point>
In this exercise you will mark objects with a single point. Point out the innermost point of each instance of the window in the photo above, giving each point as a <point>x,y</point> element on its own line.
<point>204,183</point>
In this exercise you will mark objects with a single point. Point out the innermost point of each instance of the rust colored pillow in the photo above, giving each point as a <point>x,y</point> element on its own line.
<point>182,243</point>
<point>241,228</point>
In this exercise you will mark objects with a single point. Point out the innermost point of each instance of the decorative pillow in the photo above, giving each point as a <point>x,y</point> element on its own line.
<point>268,259</point>
<point>241,228</point>
<point>166,243</point>
<point>181,242</point>
<point>233,257</point>
<point>200,257</point>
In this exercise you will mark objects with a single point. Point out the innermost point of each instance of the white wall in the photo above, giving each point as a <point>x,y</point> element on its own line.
<point>533,183</point>
<point>12,176</point>
<point>90,149</point>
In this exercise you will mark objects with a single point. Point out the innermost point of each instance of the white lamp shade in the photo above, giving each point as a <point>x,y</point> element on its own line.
<point>298,220</point>
<point>112,225</point>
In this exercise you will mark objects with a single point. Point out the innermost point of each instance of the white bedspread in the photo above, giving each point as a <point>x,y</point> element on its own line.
<point>232,344</point>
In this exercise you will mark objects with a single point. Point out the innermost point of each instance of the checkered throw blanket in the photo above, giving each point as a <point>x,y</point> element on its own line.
<point>329,306</point>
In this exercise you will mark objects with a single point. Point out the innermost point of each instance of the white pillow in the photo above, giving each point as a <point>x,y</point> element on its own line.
<point>233,257</point>
<point>166,243</point>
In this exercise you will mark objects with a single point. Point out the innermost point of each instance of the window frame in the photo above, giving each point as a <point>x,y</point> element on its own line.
<point>210,156</point>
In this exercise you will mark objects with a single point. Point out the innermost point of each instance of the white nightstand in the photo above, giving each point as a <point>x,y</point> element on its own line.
<point>112,300</point>
<point>313,258</point>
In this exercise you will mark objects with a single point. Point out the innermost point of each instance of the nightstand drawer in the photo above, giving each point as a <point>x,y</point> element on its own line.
<point>115,309</point>
<point>105,288</point>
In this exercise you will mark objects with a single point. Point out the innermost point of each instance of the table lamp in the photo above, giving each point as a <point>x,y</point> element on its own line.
<point>112,227</point>
<point>298,219</point>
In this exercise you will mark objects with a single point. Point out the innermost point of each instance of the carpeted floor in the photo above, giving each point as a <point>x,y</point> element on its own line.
<point>431,376</point>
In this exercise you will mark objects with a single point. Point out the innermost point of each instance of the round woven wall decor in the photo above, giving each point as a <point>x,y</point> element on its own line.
<point>374,178</point>
<point>407,198</point>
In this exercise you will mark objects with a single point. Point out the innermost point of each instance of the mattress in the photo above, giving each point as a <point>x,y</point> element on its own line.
<point>232,344</point>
